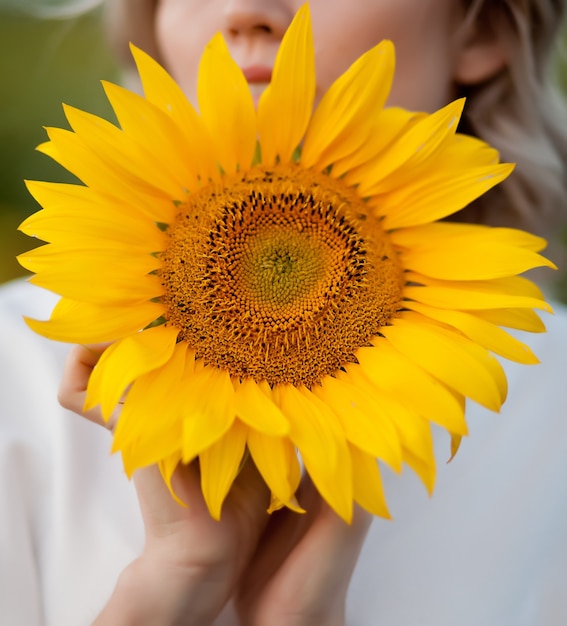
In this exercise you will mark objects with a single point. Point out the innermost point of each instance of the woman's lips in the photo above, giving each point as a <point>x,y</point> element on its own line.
<point>255,74</point>
<point>258,78</point>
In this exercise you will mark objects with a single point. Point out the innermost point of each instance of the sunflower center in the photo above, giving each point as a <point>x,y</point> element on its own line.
<point>278,268</point>
<point>279,275</point>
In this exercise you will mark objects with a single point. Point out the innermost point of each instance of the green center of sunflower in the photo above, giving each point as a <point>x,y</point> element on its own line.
<point>279,275</point>
<point>279,268</point>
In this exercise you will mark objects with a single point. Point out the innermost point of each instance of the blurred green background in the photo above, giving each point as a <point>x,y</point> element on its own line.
<point>44,61</point>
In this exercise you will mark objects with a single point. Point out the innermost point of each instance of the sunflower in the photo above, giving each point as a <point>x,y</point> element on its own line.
<point>275,282</point>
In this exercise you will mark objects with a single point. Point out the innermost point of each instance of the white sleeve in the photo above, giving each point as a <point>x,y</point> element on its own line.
<point>20,598</point>
<point>69,518</point>
<point>23,476</point>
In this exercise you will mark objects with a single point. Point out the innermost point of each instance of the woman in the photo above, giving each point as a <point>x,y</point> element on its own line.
<point>487,549</point>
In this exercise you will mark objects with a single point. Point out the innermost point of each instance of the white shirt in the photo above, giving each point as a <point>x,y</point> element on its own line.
<point>488,549</point>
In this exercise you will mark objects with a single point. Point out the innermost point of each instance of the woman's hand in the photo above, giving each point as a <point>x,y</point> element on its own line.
<point>284,569</point>
<point>300,572</point>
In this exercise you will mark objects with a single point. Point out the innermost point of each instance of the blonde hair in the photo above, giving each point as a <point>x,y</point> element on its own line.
<point>519,111</point>
<point>522,112</point>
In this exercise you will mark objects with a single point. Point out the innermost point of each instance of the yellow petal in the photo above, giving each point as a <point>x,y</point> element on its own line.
<point>520,319</point>
<point>227,107</point>
<point>285,106</point>
<point>76,216</point>
<point>167,467</point>
<point>50,257</point>
<point>416,146</point>
<point>464,149</point>
<point>143,451</point>
<point>457,153</point>
<point>207,409</point>
<point>71,152</point>
<point>402,378</point>
<point>391,124</point>
<point>117,291</point>
<point>115,276</point>
<point>343,119</point>
<point>453,359</point>
<point>276,460</point>
<point>466,252</point>
<point>417,440</point>
<point>136,163</point>
<point>316,433</point>
<point>162,91</point>
<point>363,424</point>
<point>126,360</point>
<point>431,235</point>
<point>472,295</point>
<point>367,483</point>
<point>309,430</point>
<point>455,445</point>
<point>482,332</point>
<point>83,322</point>
<point>425,470</point>
<point>150,418</point>
<point>154,132</point>
<point>438,195</point>
<point>414,431</point>
<point>219,466</point>
<point>253,405</point>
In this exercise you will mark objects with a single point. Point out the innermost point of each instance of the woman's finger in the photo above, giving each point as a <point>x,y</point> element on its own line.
<point>318,542</point>
<point>73,387</point>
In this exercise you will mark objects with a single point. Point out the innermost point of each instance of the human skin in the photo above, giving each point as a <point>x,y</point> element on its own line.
<point>191,565</point>
<point>433,48</point>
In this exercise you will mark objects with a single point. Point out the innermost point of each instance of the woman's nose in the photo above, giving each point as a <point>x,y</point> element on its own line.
<point>257,18</point>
